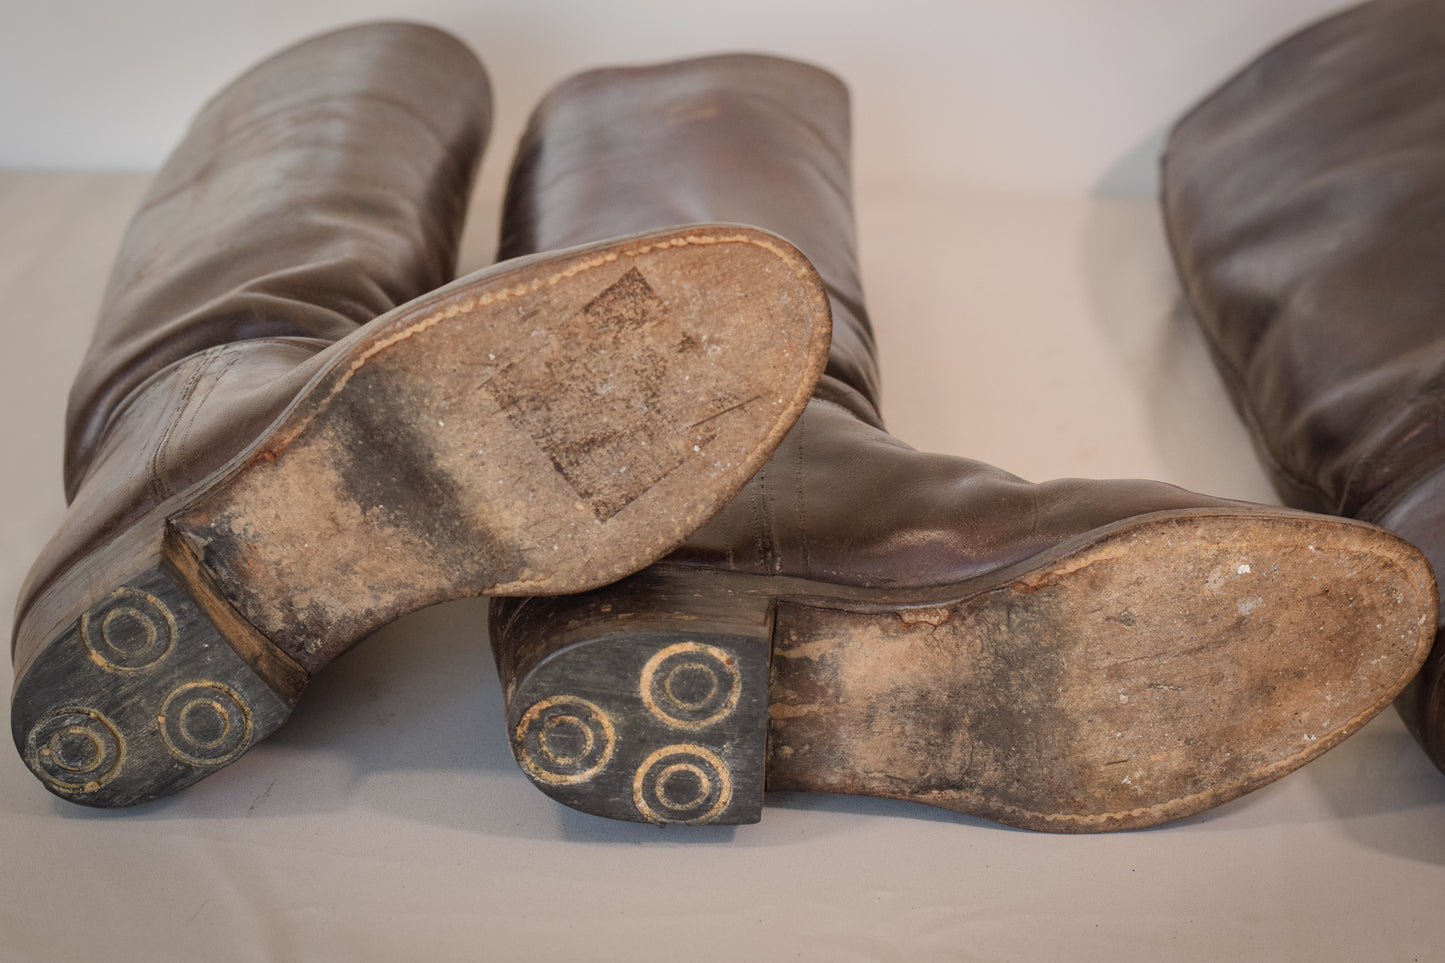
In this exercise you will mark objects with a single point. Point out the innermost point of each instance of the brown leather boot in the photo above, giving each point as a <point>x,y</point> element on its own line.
<point>1305,203</point>
<point>283,437</point>
<point>864,618</point>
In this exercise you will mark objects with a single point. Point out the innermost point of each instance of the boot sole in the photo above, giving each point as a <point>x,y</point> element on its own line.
<point>1163,666</point>
<point>549,428</point>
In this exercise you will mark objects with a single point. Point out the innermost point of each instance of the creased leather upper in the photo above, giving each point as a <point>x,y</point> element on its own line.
<point>1305,202</point>
<point>763,141</point>
<point>320,190</point>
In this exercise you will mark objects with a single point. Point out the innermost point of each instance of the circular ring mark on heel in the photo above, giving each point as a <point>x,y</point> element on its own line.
<point>565,739</point>
<point>129,630</point>
<point>690,685</point>
<point>682,784</point>
<point>205,723</point>
<point>75,749</point>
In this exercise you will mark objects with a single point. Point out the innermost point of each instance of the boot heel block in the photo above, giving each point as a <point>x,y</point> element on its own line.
<point>154,686</point>
<point>1157,668</point>
<point>642,701</point>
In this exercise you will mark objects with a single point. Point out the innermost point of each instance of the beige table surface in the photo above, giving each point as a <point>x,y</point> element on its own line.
<point>388,820</point>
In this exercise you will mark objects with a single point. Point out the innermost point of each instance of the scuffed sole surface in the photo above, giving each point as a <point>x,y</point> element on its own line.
<point>1163,668</point>
<point>1160,671</point>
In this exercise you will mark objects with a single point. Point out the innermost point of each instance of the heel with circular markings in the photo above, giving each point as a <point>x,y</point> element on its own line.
<point>148,690</point>
<point>655,713</point>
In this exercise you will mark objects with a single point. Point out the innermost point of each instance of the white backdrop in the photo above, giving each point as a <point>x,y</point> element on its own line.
<point>1027,316</point>
<point>1034,95</point>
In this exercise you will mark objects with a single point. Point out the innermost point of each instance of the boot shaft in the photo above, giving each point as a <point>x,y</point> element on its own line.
<point>740,138</point>
<point>320,190</point>
<point>1304,201</point>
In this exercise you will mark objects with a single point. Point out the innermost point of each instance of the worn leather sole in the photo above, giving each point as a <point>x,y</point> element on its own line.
<point>1162,666</point>
<point>548,427</point>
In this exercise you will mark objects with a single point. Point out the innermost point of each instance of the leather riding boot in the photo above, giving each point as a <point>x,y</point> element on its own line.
<point>1305,203</point>
<point>287,432</point>
<point>864,618</point>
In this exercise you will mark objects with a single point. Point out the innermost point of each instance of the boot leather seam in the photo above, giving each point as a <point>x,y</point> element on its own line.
<point>160,454</point>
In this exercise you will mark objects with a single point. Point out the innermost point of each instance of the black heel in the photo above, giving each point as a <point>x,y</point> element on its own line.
<point>148,689</point>
<point>643,701</point>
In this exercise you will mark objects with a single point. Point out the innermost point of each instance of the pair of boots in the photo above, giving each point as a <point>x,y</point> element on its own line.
<point>291,429</point>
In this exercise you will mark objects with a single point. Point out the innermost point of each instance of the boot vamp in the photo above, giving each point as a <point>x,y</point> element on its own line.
<point>1304,202</point>
<point>846,503</point>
